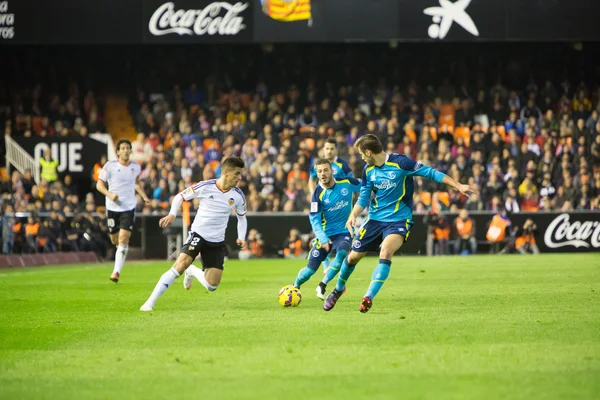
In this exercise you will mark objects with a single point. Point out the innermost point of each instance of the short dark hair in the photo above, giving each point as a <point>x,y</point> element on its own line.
<point>331,141</point>
<point>121,141</point>
<point>369,142</point>
<point>321,161</point>
<point>233,162</point>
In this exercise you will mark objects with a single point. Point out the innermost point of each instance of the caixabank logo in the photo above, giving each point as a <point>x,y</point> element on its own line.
<point>448,13</point>
<point>287,10</point>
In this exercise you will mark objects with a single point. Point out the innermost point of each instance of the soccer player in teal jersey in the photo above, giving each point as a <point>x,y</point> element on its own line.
<point>389,177</point>
<point>330,207</point>
<point>340,168</point>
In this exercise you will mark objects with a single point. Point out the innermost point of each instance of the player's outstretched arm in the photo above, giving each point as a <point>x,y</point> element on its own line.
<point>418,169</point>
<point>187,195</point>
<point>466,190</point>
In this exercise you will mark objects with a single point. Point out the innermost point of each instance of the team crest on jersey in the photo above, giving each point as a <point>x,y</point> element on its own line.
<point>230,201</point>
<point>326,201</point>
<point>391,175</point>
<point>356,243</point>
<point>344,192</point>
<point>372,178</point>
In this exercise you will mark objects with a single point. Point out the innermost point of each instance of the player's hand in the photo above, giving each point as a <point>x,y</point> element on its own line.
<point>467,190</point>
<point>166,221</point>
<point>350,223</point>
<point>241,244</point>
<point>146,201</point>
<point>113,196</point>
<point>326,246</point>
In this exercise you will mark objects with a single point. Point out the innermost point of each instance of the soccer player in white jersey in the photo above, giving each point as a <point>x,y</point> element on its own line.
<point>218,197</point>
<point>122,177</point>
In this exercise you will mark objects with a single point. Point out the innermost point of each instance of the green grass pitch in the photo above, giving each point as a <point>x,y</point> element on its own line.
<point>482,327</point>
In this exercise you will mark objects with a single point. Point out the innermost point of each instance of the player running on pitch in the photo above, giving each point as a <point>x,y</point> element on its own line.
<point>122,177</point>
<point>207,236</point>
<point>389,176</point>
<point>341,170</point>
<point>329,210</point>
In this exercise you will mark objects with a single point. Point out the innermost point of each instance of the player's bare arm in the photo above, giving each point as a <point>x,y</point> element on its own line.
<point>101,187</point>
<point>175,205</point>
<point>139,190</point>
<point>464,189</point>
<point>353,215</point>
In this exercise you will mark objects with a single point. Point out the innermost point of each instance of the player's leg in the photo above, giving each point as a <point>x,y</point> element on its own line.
<point>122,250</point>
<point>327,262</point>
<point>316,256</point>
<point>341,246</point>
<point>125,226</point>
<point>389,246</point>
<point>166,280</point>
<point>188,254</point>
<point>394,236</point>
<point>113,222</point>
<point>534,248</point>
<point>212,256</point>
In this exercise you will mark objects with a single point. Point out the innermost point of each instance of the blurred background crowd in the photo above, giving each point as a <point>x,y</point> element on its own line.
<point>520,123</point>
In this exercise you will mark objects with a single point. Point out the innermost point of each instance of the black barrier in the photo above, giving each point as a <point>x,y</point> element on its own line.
<point>76,156</point>
<point>557,232</point>
<point>260,21</point>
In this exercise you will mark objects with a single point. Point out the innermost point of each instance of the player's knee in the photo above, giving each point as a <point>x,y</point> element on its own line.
<point>341,254</point>
<point>212,288</point>
<point>354,258</point>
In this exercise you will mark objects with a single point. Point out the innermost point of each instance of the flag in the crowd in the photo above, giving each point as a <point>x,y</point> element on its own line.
<point>287,10</point>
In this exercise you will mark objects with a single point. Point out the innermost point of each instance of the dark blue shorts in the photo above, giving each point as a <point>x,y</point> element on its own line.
<point>318,254</point>
<point>372,233</point>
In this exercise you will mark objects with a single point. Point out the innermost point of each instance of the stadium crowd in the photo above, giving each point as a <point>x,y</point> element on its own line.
<point>526,133</point>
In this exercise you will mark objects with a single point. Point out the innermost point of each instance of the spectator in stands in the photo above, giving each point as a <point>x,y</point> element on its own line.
<point>49,167</point>
<point>294,246</point>
<point>499,233</point>
<point>525,238</point>
<point>8,222</point>
<point>465,229</point>
<point>438,234</point>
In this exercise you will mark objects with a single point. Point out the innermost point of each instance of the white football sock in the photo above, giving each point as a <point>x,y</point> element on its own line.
<point>199,274</point>
<point>120,257</point>
<point>163,284</point>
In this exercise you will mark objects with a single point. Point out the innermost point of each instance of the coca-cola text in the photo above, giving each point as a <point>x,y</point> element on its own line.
<point>561,233</point>
<point>207,21</point>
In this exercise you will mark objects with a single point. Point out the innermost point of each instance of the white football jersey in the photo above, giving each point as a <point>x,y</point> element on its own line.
<point>214,209</point>
<point>121,180</point>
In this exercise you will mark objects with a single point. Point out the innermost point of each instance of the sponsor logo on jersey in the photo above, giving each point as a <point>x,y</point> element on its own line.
<point>338,205</point>
<point>385,184</point>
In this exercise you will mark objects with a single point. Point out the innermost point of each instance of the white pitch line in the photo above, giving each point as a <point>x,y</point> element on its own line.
<point>52,269</point>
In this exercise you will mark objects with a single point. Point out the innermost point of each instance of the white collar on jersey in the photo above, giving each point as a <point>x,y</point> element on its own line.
<point>324,188</point>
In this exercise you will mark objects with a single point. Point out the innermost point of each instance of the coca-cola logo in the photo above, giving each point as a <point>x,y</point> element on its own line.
<point>561,233</point>
<point>217,18</point>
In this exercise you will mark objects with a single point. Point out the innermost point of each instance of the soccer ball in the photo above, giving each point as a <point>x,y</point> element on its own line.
<point>289,296</point>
